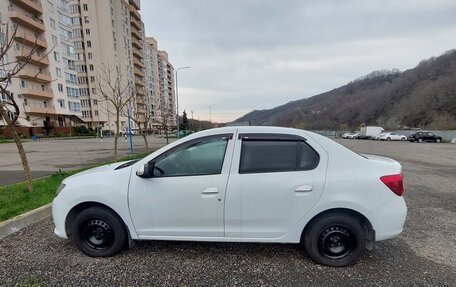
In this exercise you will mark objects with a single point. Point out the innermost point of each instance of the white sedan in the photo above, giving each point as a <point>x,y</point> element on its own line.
<point>238,184</point>
<point>392,137</point>
<point>350,135</point>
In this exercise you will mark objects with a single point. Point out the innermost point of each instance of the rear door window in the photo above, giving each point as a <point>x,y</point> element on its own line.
<point>272,155</point>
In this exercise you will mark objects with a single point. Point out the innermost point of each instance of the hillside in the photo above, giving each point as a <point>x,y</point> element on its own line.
<point>423,97</point>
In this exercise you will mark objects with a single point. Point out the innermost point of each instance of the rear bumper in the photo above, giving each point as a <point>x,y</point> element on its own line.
<point>390,219</point>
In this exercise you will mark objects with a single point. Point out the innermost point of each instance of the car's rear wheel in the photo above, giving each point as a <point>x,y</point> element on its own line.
<point>420,140</point>
<point>388,139</point>
<point>335,240</point>
<point>403,139</point>
<point>99,232</point>
<point>437,140</point>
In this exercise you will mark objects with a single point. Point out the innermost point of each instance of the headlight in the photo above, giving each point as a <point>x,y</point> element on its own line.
<point>61,186</point>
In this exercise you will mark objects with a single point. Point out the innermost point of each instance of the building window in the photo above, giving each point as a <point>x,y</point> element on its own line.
<point>61,103</point>
<point>89,44</point>
<point>87,31</point>
<point>22,84</point>
<point>94,92</point>
<point>54,40</point>
<point>96,113</point>
<point>92,79</point>
<point>56,56</point>
<point>89,55</point>
<point>60,87</point>
<point>58,71</point>
<point>91,67</point>
<point>52,23</point>
<point>86,19</point>
<point>95,102</point>
<point>84,7</point>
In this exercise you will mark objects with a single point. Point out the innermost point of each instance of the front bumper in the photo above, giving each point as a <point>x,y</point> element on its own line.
<point>59,213</point>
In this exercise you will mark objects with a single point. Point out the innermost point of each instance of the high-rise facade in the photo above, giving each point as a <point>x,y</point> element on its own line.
<point>44,97</point>
<point>84,39</point>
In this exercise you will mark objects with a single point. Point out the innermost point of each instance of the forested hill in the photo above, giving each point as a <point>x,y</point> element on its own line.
<point>424,97</point>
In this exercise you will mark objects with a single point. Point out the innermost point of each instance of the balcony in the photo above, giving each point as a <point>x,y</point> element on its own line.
<point>140,82</point>
<point>137,53</point>
<point>138,72</point>
<point>26,21</point>
<point>29,5</point>
<point>35,75</point>
<point>136,34</point>
<point>140,92</point>
<point>39,108</point>
<point>35,59</point>
<point>29,92</point>
<point>135,23</point>
<point>29,39</point>
<point>134,12</point>
<point>140,100</point>
<point>136,43</point>
<point>138,63</point>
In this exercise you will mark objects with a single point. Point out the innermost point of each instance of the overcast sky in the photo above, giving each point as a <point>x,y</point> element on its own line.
<point>257,54</point>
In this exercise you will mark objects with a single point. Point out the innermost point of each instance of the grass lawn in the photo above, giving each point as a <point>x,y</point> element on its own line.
<point>15,199</point>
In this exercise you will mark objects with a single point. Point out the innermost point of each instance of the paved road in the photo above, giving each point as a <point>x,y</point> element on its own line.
<point>48,156</point>
<point>424,254</point>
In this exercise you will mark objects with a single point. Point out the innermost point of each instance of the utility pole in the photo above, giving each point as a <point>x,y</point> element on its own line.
<point>177,99</point>
<point>192,120</point>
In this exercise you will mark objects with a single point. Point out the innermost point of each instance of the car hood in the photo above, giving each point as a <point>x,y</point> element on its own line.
<point>99,169</point>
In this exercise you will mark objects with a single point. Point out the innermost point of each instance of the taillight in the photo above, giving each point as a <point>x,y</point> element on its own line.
<point>394,182</point>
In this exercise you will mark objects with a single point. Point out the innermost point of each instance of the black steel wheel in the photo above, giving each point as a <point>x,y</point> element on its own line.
<point>99,232</point>
<point>335,239</point>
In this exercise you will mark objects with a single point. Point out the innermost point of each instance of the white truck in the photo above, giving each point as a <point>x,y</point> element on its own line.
<point>369,131</point>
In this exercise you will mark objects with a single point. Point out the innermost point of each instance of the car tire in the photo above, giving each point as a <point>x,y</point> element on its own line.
<point>420,140</point>
<point>437,140</point>
<point>335,239</point>
<point>99,232</point>
<point>388,139</point>
<point>403,139</point>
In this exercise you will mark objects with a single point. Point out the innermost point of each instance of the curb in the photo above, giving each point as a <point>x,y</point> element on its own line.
<point>19,222</point>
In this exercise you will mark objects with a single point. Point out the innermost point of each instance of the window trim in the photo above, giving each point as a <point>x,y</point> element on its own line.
<point>278,138</point>
<point>229,136</point>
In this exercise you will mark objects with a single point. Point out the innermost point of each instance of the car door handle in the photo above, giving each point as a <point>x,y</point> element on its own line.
<point>304,188</point>
<point>210,190</point>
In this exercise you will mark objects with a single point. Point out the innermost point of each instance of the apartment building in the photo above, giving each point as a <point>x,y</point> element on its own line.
<point>44,99</point>
<point>84,38</point>
<point>166,87</point>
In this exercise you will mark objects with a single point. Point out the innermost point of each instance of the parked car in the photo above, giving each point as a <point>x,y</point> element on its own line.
<point>238,184</point>
<point>350,135</point>
<point>453,141</point>
<point>376,137</point>
<point>391,136</point>
<point>424,137</point>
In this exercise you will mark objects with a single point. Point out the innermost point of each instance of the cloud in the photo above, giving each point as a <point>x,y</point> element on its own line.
<point>254,54</point>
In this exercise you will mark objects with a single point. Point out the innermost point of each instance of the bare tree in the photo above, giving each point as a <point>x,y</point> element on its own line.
<point>142,115</point>
<point>163,119</point>
<point>10,69</point>
<point>116,92</point>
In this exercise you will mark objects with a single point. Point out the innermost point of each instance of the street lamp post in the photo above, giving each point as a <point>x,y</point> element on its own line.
<point>177,99</point>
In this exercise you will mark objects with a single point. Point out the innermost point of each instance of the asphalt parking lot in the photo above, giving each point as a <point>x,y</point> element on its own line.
<point>49,155</point>
<point>423,255</point>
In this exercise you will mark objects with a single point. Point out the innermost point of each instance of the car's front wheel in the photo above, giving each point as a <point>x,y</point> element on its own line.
<point>99,232</point>
<point>335,240</point>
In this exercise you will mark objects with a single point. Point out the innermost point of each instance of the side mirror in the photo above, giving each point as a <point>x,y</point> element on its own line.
<point>147,171</point>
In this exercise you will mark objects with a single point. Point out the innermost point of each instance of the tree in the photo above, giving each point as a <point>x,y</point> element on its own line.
<point>116,92</point>
<point>164,118</point>
<point>143,113</point>
<point>10,69</point>
<point>184,121</point>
